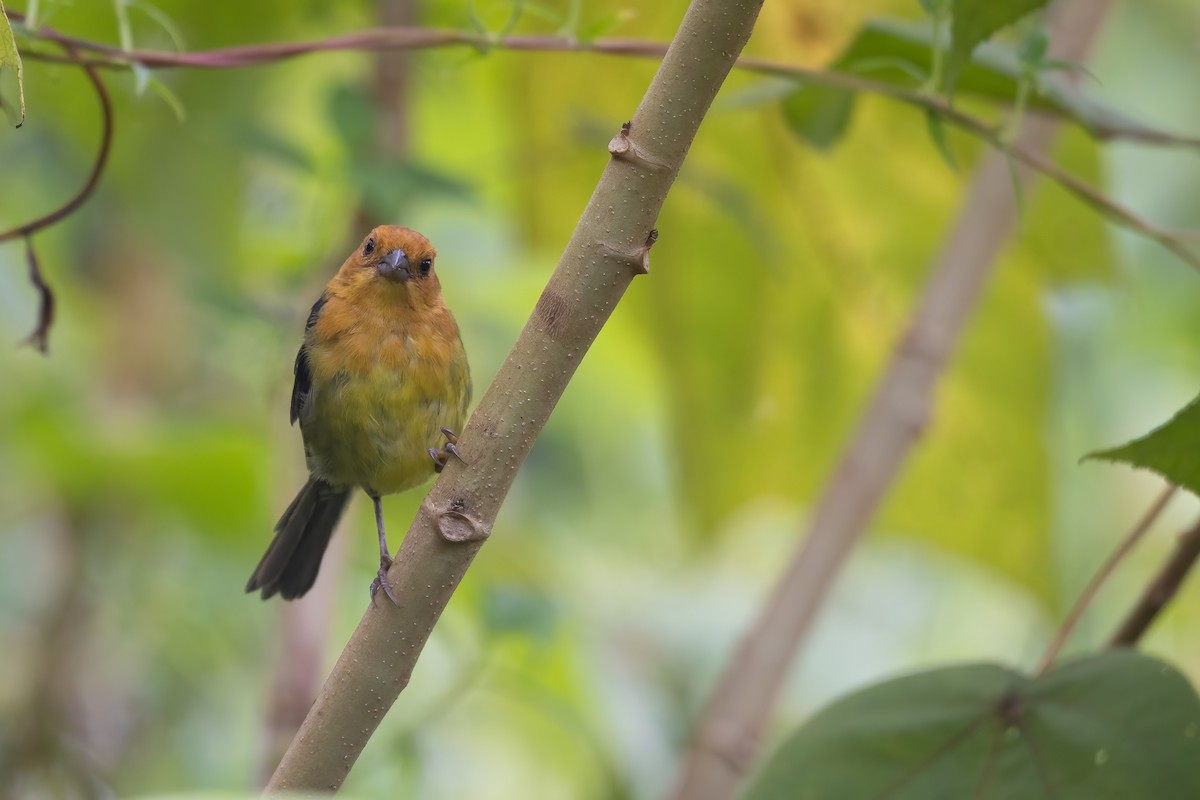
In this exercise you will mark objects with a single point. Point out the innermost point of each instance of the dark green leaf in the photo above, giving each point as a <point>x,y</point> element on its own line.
<point>1032,49</point>
<point>937,132</point>
<point>974,21</point>
<point>352,113</point>
<point>271,145</point>
<point>391,188</point>
<point>1172,450</point>
<point>1117,725</point>
<point>818,114</point>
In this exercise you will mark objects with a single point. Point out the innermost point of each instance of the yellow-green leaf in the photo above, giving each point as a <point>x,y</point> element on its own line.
<point>11,59</point>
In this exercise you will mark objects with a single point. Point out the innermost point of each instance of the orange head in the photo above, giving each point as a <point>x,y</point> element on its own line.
<point>394,261</point>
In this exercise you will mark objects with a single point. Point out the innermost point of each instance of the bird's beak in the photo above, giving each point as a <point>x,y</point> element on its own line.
<point>394,266</point>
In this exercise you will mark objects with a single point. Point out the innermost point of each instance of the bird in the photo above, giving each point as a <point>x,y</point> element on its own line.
<point>381,376</point>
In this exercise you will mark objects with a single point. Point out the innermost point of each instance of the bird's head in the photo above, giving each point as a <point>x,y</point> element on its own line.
<point>397,258</point>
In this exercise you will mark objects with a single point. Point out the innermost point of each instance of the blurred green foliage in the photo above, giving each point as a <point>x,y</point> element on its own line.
<point>143,463</point>
<point>1117,724</point>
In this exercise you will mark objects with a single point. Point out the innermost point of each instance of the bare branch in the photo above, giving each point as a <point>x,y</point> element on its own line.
<point>728,734</point>
<point>456,517</point>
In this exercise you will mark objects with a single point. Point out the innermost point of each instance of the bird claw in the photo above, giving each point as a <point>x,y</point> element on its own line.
<point>381,581</point>
<point>440,457</point>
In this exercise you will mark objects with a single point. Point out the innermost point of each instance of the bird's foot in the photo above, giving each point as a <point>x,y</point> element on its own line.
<point>440,457</point>
<point>382,581</point>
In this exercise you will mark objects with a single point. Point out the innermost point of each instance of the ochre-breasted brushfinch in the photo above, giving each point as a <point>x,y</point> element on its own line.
<point>381,376</point>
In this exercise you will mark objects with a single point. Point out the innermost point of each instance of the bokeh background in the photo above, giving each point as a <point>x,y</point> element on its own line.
<point>145,460</point>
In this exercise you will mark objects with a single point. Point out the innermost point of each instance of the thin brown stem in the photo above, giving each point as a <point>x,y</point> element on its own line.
<point>41,330</point>
<point>1102,575</point>
<point>1171,240</point>
<point>403,36</point>
<point>1160,591</point>
<point>408,37</point>
<point>93,178</point>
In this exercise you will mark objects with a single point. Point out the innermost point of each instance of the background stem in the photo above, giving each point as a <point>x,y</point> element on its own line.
<point>1160,591</point>
<point>728,734</point>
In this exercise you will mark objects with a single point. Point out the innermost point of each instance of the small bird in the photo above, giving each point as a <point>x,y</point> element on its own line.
<point>381,375</point>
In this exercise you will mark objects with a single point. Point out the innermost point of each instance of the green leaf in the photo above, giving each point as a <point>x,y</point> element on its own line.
<point>974,21</point>
<point>818,114</point>
<point>389,188</point>
<point>11,59</point>
<point>165,22</point>
<point>1032,49</point>
<point>124,29</point>
<point>937,132</point>
<point>168,96</point>
<point>899,53</point>
<point>272,145</point>
<point>1119,724</point>
<point>606,24</point>
<point>352,112</point>
<point>932,7</point>
<point>1172,450</point>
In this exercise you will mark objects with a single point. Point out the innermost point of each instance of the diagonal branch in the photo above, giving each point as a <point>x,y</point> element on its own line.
<point>1106,569</point>
<point>1160,591</point>
<point>728,734</point>
<point>608,248</point>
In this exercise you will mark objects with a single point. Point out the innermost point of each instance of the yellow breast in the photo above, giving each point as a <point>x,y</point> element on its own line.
<point>383,387</point>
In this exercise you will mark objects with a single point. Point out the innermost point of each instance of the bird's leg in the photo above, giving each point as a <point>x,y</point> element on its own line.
<point>440,457</point>
<point>385,555</point>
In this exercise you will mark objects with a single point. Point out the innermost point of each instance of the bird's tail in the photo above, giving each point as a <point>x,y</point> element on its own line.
<point>289,567</point>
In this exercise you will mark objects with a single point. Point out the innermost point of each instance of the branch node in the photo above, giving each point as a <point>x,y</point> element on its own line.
<point>455,525</point>
<point>623,148</point>
<point>638,258</point>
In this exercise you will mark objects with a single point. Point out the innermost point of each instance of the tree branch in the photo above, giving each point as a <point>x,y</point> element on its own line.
<point>1102,574</point>
<point>93,178</point>
<point>408,37</point>
<point>411,37</point>
<point>1160,591</point>
<point>604,254</point>
<point>728,733</point>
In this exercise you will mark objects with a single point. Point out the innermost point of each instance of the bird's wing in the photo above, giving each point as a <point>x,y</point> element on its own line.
<point>302,387</point>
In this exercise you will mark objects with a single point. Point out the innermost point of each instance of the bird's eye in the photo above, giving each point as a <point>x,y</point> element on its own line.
<point>426,265</point>
<point>369,247</point>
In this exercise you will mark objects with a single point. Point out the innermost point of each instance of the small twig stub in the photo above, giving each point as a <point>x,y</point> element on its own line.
<point>455,526</point>
<point>624,148</point>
